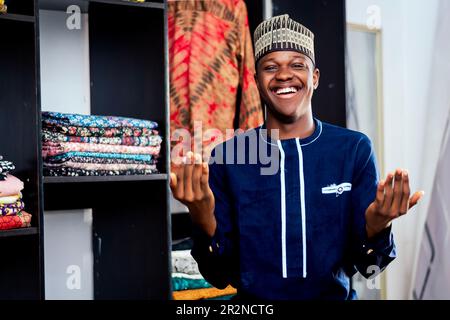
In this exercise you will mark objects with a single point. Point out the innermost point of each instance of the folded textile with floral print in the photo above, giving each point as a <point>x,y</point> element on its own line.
<point>90,145</point>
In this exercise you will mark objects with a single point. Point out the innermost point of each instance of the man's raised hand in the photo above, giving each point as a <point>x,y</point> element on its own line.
<point>392,201</point>
<point>189,184</point>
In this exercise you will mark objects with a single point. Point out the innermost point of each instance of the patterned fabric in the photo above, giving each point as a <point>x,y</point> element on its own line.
<point>78,120</point>
<point>68,155</point>
<point>186,282</point>
<point>153,140</point>
<point>102,166</point>
<point>73,172</point>
<point>52,149</point>
<point>21,220</point>
<point>3,8</point>
<point>11,186</point>
<point>10,199</point>
<point>11,209</point>
<point>183,262</point>
<point>98,132</point>
<point>105,161</point>
<point>211,55</point>
<point>6,166</point>
<point>206,293</point>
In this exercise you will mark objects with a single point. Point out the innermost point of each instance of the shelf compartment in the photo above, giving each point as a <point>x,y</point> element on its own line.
<point>18,232</point>
<point>68,193</point>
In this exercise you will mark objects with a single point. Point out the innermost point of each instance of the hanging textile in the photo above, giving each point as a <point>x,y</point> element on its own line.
<point>211,66</point>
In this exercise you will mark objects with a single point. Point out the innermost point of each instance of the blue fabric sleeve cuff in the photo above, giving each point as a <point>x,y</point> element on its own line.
<point>212,245</point>
<point>383,242</point>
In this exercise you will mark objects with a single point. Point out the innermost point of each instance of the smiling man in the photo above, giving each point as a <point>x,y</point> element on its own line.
<point>302,232</point>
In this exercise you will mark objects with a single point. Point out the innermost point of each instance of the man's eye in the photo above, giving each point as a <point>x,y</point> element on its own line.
<point>270,68</point>
<point>298,66</point>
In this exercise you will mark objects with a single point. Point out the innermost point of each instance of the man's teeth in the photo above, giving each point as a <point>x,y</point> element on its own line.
<point>286,90</point>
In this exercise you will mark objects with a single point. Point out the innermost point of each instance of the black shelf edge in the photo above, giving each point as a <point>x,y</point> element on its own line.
<point>153,177</point>
<point>17,17</point>
<point>156,5</point>
<point>18,232</point>
<point>62,5</point>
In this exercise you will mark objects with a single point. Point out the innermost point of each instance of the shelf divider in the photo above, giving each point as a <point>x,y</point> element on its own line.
<point>94,179</point>
<point>18,232</point>
<point>17,17</point>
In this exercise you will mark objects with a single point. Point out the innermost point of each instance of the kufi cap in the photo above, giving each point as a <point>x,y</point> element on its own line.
<point>281,33</point>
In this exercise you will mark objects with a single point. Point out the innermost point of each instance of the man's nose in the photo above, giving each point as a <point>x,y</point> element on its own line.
<point>284,74</point>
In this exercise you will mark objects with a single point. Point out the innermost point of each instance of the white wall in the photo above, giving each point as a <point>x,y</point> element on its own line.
<point>65,88</point>
<point>408,32</point>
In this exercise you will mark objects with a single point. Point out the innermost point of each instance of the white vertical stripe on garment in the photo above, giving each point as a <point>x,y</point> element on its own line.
<point>283,210</point>
<point>302,203</point>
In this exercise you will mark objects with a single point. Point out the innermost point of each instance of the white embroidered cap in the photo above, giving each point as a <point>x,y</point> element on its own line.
<point>281,33</point>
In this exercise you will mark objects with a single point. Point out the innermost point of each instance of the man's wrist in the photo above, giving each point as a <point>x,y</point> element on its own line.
<point>372,232</point>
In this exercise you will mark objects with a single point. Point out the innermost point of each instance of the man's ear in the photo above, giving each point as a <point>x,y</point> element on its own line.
<point>316,78</point>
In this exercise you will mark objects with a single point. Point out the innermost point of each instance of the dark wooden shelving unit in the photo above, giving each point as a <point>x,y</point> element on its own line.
<point>129,77</point>
<point>21,270</point>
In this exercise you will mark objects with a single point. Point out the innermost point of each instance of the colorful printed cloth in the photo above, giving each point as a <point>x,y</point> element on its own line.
<point>73,172</point>
<point>206,293</point>
<point>10,199</point>
<point>3,8</point>
<point>183,262</point>
<point>210,58</point>
<point>102,166</point>
<point>10,186</point>
<point>68,155</point>
<point>80,120</point>
<point>55,148</point>
<point>98,132</point>
<point>21,220</point>
<point>104,161</point>
<point>11,209</point>
<point>6,167</point>
<point>182,281</point>
<point>153,140</point>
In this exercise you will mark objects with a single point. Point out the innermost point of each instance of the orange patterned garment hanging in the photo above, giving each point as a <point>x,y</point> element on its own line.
<point>211,56</point>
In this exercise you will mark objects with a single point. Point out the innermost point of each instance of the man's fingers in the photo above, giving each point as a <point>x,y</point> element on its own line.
<point>188,170</point>
<point>397,193</point>
<point>388,194</point>
<point>416,198</point>
<point>380,194</point>
<point>173,181</point>
<point>179,172</point>
<point>405,194</point>
<point>205,177</point>
<point>196,177</point>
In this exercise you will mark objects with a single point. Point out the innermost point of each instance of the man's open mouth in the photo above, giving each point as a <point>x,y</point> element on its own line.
<point>285,91</point>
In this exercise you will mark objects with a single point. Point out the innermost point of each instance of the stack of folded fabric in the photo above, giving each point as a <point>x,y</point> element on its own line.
<point>12,215</point>
<point>187,282</point>
<point>2,6</point>
<point>87,145</point>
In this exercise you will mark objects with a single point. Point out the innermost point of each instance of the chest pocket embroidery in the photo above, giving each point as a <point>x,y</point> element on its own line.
<point>337,189</point>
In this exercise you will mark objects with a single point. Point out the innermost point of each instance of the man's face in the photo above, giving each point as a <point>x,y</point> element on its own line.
<point>286,81</point>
